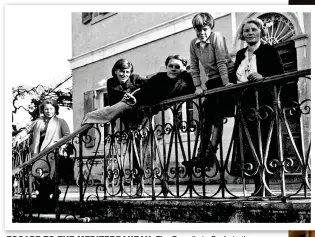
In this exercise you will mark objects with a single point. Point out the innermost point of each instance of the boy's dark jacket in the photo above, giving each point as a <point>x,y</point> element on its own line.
<point>159,87</point>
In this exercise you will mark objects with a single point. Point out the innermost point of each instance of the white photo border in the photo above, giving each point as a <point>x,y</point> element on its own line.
<point>132,226</point>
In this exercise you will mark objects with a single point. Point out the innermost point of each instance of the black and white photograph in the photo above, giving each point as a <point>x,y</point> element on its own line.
<point>155,116</point>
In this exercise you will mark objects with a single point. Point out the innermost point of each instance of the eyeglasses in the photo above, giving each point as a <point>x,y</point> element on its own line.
<point>173,66</point>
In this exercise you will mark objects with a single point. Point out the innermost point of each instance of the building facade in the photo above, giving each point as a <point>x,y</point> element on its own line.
<point>99,39</point>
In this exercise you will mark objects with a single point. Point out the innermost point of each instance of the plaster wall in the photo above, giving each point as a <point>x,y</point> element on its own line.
<point>147,59</point>
<point>90,36</point>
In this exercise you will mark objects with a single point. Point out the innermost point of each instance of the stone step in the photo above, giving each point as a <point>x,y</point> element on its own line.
<point>241,210</point>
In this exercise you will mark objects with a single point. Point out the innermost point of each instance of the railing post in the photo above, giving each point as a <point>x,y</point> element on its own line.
<point>81,174</point>
<point>260,152</point>
<point>238,121</point>
<point>276,103</point>
<point>56,189</point>
<point>221,169</point>
<point>165,161</point>
<point>304,88</point>
<point>120,160</point>
<point>30,188</point>
<point>105,162</point>
<point>131,156</point>
<point>22,185</point>
<point>176,131</point>
<point>201,146</point>
<point>151,129</point>
<point>189,156</point>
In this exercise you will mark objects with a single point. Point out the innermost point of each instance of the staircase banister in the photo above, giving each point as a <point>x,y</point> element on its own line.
<point>276,78</point>
<point>51,148</point>
<point>279,78</point>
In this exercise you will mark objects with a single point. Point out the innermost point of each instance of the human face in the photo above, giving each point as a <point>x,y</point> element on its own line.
<point>123,74</point>
<point>49,111</point>
<point>174,67</point>
<point>251,33</point>
<point>203,33</point>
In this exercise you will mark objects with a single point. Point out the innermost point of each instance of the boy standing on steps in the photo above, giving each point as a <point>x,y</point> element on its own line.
<point>209,48</point>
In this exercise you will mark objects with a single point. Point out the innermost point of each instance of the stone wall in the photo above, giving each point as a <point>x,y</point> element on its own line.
<point>183,211</point>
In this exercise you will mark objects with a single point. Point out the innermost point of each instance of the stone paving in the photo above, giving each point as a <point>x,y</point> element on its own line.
<point>182,190</point>
<point>129,208</point>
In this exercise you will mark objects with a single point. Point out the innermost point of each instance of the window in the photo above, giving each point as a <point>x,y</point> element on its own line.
<point>95,14</point>
<point>107,128</point>
<point>89,106</point>
<point>279,28</point>
<point>94,17</point>
<point>287,53</point>
<point>186,114</point>
<point>99,16</point>
<point>105,100</point>
<point>86,17</point>
<point>187,107</point>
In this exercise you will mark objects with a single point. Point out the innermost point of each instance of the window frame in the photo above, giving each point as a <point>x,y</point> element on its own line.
<point>86,17</point>
<point>101,16</point>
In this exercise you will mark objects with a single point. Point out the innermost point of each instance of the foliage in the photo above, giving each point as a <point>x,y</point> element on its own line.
<point>36,95</point>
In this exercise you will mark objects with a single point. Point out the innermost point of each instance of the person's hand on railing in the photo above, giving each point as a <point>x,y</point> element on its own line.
<point>66,149</point>
<point>70,148</point>
<point>229,84</point>
<point>63,150</point>
<point>254,77</point>
<point>198,90</point>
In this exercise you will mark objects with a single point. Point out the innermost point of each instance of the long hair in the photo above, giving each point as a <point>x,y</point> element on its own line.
<point>122,64</point>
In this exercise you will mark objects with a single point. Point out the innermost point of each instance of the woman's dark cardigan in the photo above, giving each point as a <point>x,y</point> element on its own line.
<point>268,64</point>
<point>267,59</point>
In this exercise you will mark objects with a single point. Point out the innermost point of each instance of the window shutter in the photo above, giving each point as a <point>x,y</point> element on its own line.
<point>105,99</point>
<point>86,17</point>
<point>287,53</point>
<point>88,107</point>
<point>106,103</point>
<point>158,121</point>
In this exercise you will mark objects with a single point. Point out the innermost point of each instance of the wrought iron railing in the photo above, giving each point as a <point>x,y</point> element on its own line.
<point>156,160</point>
<point>21,153</point>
